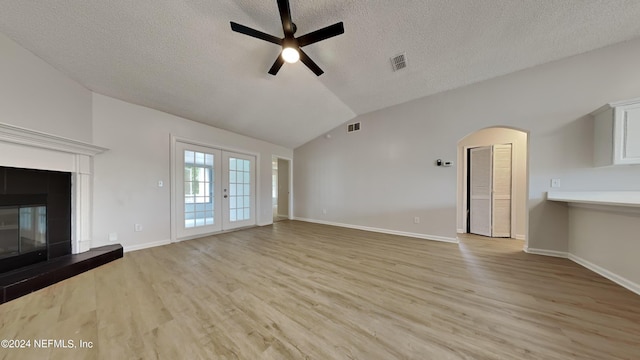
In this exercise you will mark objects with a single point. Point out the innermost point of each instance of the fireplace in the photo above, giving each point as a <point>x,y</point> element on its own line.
<point>45,211</point>
<point>36,163</point>
<point>35,216</point>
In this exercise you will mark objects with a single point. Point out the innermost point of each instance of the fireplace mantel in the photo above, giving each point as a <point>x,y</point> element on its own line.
<point>21,136</point>
<point>24,148</point>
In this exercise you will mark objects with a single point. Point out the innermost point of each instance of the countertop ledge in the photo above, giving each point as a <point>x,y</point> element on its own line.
<point>613,198</point>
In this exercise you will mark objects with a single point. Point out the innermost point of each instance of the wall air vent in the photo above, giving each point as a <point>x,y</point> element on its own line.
<point>399,62</point>
<point>353,127</point>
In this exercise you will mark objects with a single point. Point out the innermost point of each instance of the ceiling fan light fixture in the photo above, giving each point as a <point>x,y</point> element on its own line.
<point>290,55</point>
<point>291,45</point>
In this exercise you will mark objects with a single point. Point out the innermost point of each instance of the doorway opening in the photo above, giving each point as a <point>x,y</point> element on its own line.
<point>493,183</point>
<point>281,188</point>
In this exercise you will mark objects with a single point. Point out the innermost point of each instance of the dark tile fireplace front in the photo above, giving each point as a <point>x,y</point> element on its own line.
<point>35,233</point>
<point>35,216</point>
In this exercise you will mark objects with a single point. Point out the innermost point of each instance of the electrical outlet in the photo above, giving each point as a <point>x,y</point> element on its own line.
<point>555,183</point>
<point>324,211</point>
<point>137,227</point>
<point>416,220</point>
<point>113,236</point>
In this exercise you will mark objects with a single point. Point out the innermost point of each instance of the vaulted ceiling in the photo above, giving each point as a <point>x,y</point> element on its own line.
<point>181,57</point>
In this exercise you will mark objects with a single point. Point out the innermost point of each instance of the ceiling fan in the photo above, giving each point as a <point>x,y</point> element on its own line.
<point>291,46</point>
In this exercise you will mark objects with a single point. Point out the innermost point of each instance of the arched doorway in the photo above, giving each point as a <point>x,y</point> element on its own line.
<point>489,137</point>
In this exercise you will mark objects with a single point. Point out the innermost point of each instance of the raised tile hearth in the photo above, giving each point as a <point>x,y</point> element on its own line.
<point>28,279</point>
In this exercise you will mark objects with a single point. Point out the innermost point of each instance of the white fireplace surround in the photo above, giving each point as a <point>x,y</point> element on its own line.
<point>23,148</point>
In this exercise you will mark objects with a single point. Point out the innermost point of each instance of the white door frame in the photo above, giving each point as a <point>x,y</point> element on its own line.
<point>173,168</point>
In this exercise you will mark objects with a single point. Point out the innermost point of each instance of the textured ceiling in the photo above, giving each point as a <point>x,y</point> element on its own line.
<point>181,57</point>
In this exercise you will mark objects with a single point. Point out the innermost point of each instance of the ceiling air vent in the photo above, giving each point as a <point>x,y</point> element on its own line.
<point>399,62</point>
<point>353,127</point>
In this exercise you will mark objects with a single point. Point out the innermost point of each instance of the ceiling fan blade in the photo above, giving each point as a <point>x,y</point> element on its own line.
<point>285,17</point>
<point>310,64</point>
<point>319,35</point>
<point>276,65</point>
<point>255,33</point>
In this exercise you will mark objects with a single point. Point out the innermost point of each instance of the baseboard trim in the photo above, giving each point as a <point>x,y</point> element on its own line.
<point>129,248</point>
<point>383,231</point>
<point>554,253</point>
<point>624,282</point>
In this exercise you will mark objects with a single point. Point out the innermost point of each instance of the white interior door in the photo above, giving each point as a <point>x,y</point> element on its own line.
<point>501,194</point>
<point>215,190</point>
<point>238,192</point>
<point>480,190</point>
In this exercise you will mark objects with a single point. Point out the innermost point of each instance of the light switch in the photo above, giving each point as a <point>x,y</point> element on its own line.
<point>555,183</point>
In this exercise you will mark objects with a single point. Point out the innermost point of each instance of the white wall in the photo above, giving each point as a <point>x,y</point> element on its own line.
<point>381,176</point>
<point>35,96</point>
<point>126,177</point>
<point>385,175</point>
<point>607,236</point>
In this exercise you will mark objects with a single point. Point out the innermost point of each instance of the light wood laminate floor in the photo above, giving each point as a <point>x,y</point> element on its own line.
<point>297,290</point>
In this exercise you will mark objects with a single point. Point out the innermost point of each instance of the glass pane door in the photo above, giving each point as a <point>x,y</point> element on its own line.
<point>197,197</point>
<point>198,189</point>
<point>238,190</point>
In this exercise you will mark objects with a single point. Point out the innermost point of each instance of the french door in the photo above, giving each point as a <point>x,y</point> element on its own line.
<point>238,194</point>
<point>215,190</point>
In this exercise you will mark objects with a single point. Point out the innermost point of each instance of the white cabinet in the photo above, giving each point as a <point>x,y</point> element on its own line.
<point>617,133</point>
